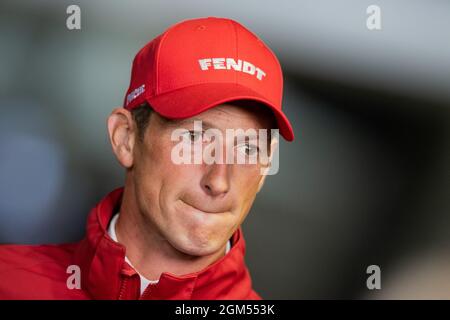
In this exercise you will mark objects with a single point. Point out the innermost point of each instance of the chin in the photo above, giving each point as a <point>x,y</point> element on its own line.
<point>196,232</point>
<point>198,244</point>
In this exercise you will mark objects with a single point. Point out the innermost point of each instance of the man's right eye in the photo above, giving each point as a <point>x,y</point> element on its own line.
<point>193,136</point>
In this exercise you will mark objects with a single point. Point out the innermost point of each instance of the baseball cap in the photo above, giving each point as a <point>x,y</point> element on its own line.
<point>200,63</point>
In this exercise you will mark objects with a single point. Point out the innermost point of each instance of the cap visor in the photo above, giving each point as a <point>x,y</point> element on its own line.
<point>192,100</point>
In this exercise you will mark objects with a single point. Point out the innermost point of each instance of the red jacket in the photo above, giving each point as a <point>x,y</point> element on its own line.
<point>41,272</point>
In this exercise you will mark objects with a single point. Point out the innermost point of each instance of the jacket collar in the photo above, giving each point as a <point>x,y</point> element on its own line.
<point>106,275</point>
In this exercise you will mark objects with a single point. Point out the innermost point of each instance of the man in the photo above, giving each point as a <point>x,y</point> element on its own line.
<point>173,231</point>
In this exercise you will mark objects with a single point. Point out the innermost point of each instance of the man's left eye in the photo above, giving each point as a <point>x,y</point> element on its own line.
<point>249,149</point>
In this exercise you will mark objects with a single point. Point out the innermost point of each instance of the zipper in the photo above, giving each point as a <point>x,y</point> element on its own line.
<point>127,274</point>
<point>123,288</point>
<point>147,291</point>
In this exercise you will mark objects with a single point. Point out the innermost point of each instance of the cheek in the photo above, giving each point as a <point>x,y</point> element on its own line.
<point>248,179</point>
<point>151,169</point>
<point>154,164</point>
<point>246,189</point>
<point>160,180</point>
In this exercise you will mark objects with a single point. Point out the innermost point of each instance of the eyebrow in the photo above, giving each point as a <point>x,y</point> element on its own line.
<point>179,123</point>
<point>189,121</point>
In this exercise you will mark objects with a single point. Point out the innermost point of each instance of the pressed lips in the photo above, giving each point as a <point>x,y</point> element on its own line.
<point>203,210</point>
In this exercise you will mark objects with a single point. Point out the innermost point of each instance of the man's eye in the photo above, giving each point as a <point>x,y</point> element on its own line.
<point>249,149</point>
<point>194,135</point>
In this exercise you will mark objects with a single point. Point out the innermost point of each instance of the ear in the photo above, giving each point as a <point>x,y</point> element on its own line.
<point>122,135</point>
<point>273,149</point>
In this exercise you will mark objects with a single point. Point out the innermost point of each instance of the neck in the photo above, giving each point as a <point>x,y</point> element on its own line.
<point>149,253</point>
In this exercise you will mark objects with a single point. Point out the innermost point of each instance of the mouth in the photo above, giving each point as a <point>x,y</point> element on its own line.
<point>199,209</point>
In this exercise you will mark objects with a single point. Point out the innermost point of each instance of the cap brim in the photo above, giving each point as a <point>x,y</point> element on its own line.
<point>192,100</point>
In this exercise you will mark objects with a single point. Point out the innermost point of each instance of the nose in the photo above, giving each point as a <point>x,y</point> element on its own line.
<point>216,181</point>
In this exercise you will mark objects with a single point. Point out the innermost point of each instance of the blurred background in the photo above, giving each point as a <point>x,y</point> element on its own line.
<point>367,180</point>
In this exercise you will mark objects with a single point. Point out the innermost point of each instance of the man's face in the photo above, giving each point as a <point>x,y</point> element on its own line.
<point>196,207</point>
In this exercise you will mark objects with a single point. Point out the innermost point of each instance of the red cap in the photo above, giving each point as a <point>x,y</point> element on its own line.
<point>200,63</point>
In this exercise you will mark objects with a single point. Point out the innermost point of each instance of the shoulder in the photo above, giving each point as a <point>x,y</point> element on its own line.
<point>33,271</point>
<point>29,257</point>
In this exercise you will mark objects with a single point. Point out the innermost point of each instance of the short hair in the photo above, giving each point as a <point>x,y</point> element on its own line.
<point>141,115</point>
